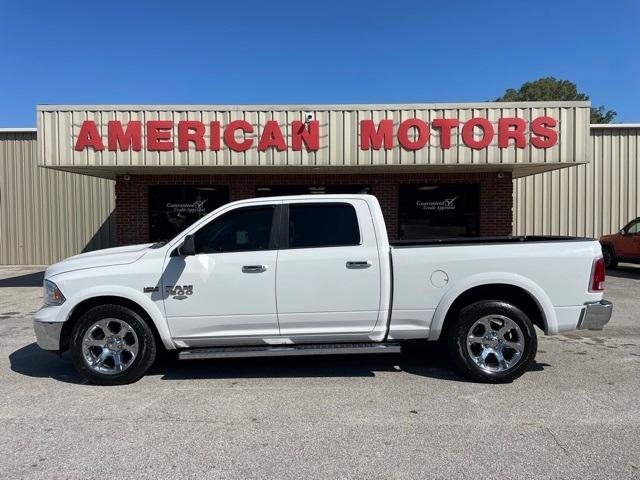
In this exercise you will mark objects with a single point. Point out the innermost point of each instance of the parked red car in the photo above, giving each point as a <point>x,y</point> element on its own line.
<point>623,246</point>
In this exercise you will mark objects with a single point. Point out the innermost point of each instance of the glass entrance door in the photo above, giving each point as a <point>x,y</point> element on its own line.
<point>278,190</point>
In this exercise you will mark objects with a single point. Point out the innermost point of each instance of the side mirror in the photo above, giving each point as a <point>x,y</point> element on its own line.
<point>187,247</point>
<point>621,231</point>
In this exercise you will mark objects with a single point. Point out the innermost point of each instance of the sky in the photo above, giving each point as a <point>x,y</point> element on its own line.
<point>303,51</point>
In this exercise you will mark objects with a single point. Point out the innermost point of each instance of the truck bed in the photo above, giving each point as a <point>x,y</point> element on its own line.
<point>557,268</point>
<point>434,242</point>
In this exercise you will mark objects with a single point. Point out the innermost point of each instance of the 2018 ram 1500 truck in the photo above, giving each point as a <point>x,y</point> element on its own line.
<point>307,275</point>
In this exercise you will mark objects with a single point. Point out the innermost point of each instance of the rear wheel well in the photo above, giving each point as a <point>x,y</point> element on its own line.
<point>497,291</point>
<point>89,303</point>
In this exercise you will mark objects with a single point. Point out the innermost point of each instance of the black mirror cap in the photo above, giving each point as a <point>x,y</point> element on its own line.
<point>187,247</point>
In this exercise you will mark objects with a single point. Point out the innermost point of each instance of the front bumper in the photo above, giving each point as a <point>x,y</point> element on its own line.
<point>48,328</point>
<point>48,334</point>
<point>595,315</point>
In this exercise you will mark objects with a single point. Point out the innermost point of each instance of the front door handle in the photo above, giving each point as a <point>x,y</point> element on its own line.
<point>358,264</point>
<point>254,268</point>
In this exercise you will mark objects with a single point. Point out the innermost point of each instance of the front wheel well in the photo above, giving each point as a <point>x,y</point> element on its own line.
<point>517,296</point>
<point>609,246</point>
<point>89,303</point>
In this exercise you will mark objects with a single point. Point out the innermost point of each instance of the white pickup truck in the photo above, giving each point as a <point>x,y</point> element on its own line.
<point>305,275</point>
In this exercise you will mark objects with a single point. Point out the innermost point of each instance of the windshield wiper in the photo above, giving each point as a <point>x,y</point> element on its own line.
<point>162,243</point>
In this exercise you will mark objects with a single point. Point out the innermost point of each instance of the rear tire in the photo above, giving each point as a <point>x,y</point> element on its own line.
<point>112,345</point>
<point>492,341</point>
<point>610,260</point>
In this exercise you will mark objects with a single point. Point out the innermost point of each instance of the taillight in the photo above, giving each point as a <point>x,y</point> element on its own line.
<point>597,276</point>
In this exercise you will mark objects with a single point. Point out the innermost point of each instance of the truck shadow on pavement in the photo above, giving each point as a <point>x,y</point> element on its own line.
<point>34,279</point>
<point>425,360</point>
<point>32,361</point>
<point>625,271</point>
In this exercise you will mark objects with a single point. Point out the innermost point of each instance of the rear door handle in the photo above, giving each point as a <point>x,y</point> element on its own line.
<point>358,264</point>
<point>254,268</point>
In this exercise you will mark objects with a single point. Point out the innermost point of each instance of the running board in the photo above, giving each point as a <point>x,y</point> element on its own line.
<point>289,350</point>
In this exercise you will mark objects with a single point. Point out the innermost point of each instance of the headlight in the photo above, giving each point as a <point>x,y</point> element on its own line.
<point>52,294</point>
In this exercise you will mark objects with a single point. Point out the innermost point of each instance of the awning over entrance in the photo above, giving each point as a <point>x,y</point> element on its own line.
<point>520,138</point>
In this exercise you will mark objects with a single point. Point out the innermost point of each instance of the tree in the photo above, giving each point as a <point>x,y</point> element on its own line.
<point>550,89</point>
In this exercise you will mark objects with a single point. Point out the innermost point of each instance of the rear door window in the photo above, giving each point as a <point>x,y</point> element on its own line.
<point>323,225</point>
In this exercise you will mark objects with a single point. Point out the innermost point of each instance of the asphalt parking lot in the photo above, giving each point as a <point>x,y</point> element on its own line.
<point>575,415</point>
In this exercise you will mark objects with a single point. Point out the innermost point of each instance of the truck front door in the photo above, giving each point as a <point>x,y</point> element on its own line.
<point>228,287</point>
<point>328,274</point>
<point>628,245</point>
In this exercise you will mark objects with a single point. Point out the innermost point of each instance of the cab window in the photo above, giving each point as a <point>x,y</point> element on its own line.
<point>323,225</point>
<point>633,228</point>
<point>240,230</point>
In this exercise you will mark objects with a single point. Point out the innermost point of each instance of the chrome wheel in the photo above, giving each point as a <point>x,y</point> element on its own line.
<point>110,346</point>
<point>495,343</point>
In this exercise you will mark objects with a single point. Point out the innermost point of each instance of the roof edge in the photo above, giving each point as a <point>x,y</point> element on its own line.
<point>302,106</point>
<point>615,125</point>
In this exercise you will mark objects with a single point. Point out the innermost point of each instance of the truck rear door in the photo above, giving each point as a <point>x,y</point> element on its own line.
<point>328,268</point>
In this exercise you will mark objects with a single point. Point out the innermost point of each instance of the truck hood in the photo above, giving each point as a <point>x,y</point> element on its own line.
<point>608,238</point>
<point>99,258</point>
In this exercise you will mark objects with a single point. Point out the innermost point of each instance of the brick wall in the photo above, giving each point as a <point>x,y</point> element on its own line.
<point>132,199</point>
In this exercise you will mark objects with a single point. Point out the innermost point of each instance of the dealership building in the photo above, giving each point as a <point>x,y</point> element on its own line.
<point>98,176</point>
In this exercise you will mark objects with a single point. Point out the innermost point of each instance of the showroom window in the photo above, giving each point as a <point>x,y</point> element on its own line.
<point>172,208</point>
<point>439,211</point>
<point>279,190</point>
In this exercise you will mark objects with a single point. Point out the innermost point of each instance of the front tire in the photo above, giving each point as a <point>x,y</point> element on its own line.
<point>610,260</point>
<point>492,341</point>
<point>112,345</point>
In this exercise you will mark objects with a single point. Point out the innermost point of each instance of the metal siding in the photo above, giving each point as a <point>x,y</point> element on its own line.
<point>585,200</point>
<point>339,135</point>
<point>47,215</point>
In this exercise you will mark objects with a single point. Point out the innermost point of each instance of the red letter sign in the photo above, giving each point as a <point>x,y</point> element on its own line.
<point>230,136</point>
<point>89,136</point>
<point>214,136</point>
<point>370,137</point>
<point>124,139</point>
<point>159,135</point>
<point>423,134</point>
<point>543,129</point>
<point>190,131</point>
<point>505,132</point>
<point>300,134</point>
<point>445,125</point>
<point>272,137</point>
<point>487,133</point>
